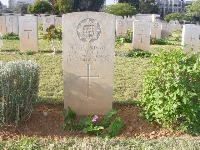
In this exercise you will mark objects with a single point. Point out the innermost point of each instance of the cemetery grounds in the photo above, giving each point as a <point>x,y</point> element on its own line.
<point>42,130</point>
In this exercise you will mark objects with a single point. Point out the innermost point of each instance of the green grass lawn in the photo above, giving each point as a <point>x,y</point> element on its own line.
<point>128,75</point>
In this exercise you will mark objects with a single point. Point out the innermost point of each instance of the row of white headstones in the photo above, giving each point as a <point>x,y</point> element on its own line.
<point>142,29</point>
<point>88,55</point>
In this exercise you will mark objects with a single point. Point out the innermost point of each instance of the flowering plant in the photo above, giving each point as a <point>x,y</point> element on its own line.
<point>93,124</point>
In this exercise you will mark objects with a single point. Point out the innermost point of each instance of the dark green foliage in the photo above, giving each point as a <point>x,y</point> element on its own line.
<point>120,40</point>
<point>148,7</point>
<point>139,53</point>
<point>171,93</point>
<point>69,115</point>
<point>92,125</point>
<point>88,5</point>
<point>18,90</point>
<point>121,9</point>
<point>134,3</point>
<point>64,6</point>
<point>176,16</point>
<point>21,8</point>
<point>115,127</point>
<point>10,36</point>
<point>159,41</point>
<point>40,7</point>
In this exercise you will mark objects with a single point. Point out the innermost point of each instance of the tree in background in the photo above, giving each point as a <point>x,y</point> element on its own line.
<point>176,16</point>
<point>135,3</point>
<point>194,10</point>
<point>148,7</point>
<point>1,5</point>
<point>21,8</point>
<point>88,5</point>
<point>40,7</point>
<point>121,9</point>
<point>63,6</point>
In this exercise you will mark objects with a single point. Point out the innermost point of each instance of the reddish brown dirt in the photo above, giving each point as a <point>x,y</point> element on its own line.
<point>46,121</point>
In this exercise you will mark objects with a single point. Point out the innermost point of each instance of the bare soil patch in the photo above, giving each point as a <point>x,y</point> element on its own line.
<point>47,119</point>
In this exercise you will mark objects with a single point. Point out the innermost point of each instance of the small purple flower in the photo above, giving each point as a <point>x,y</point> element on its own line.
<point>175,79</point>
<point>94,119</point>
<point>195,53</point>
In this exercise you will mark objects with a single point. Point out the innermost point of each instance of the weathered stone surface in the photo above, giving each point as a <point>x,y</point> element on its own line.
<point>190,38</point>
<point>141,35</point>
<point>167,30</point>
<point>28,33</point>
<point>88,52</point>
<point>58,21</point>
<point>12,24</point>
<point>47,22</point>
<point>156,30</point>
<point>3,24</point>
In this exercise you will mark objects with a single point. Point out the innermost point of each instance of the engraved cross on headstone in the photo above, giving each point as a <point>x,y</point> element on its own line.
<point>191,38</point>
<point>28,32</point>
<point>88,76</point>
<point>142,35</point>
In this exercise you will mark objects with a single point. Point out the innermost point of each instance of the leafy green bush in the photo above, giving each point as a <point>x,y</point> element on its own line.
<point>159,41</point>
<point>10,36</point>
<point>120,9</point>
<point>139,53</point>
<point>18,90</point>
<point>176,16</point>
<point>120,40</point>
<point>93,125</point>
<point>171,93</point>
<point>52,34</point>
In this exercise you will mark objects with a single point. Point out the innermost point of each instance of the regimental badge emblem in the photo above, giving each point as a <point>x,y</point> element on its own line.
<point>88,30</point>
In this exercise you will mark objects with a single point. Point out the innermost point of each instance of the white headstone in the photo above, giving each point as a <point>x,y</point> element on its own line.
<point>156,30</point>
<point>190,38</point>
<point>123,25</point>
<point>177,26</point>
<point>141,35</point>
<point>47,22</point>
<point>167,29</point>
<point>58,21</point>
<point>12,24</point>
<point>3,24</point>
<point>88,53</point>
<point>28,33</point>
<point>1,42</point>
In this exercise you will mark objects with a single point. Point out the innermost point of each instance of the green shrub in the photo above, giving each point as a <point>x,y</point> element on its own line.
<point>121,9</point>
<point>139,53</point>
<point>176,16</point>
<point>18,90</point>
<point>171,93</point>
<point>93,125</point>
<point>159,41</point>
<point>10,36</point>
<point>120,40</point>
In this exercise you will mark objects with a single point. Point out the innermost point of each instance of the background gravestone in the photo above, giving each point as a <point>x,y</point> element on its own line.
<point>12,24</point>
<point>3,24</point>
<point>88,53</point>
<point>156,30</point>
<point>166,30</point>
<point>58,21</point>
<point>121,27</point>
<point>47,22</point>
<point>190,38</point>
<point>141,35</point>
<point>28,33</point>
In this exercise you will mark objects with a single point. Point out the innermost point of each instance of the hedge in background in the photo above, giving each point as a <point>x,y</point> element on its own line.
<point>171,93</point>
<point>18,90</point>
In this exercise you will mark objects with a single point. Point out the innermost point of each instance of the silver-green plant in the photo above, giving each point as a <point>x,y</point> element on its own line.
<point>18,90</point>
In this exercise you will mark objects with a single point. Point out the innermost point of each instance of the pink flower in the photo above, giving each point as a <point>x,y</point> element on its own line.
<point>94,119</point>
